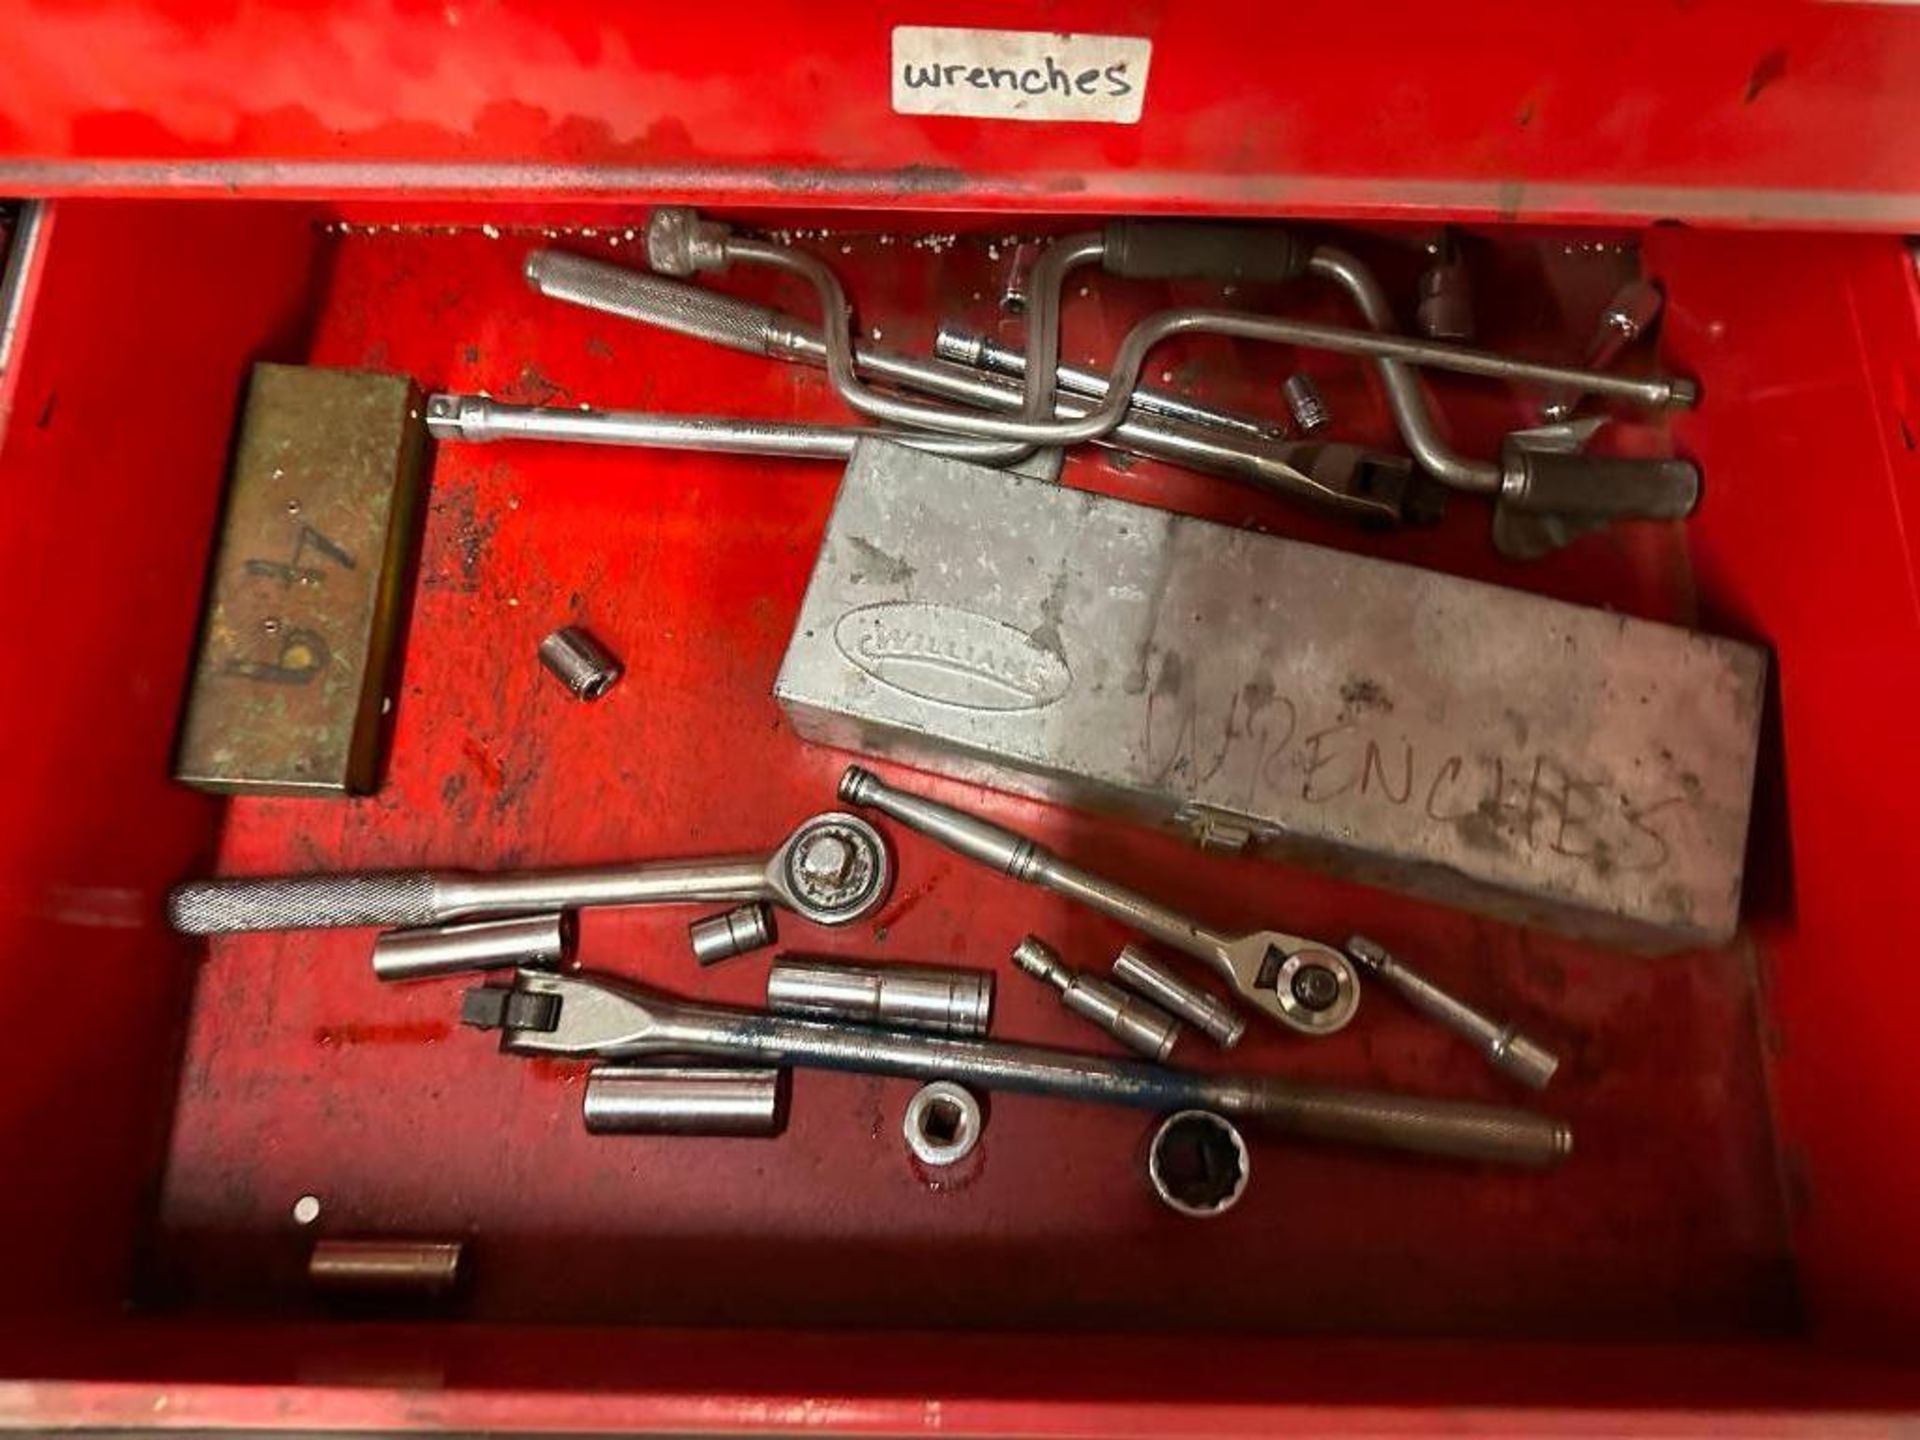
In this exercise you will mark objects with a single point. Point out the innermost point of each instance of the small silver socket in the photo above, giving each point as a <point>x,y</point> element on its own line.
<point>943,1124</point>
<point>1308,406</point>
<point>581,663</point>
<point>721,937</point>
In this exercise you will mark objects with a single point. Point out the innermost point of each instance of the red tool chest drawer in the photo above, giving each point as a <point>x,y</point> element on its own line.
<point>1725,1250</point>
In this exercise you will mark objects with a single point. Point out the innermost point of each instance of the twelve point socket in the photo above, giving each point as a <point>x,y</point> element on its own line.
<point>1198,1165</point>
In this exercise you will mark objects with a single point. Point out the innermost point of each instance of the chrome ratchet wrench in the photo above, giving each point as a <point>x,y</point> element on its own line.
<point>832,870</point>
<point>1305,985</point>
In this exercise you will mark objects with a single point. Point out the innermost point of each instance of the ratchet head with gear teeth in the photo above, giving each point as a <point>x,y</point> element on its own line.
<point>833,870</point>
<point>1305,985</point>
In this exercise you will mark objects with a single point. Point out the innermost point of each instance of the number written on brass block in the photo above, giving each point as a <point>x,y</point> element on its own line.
<point>305,596</point>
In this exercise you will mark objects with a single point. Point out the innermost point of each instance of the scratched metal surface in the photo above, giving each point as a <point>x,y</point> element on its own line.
<point>303,1076</point>
<point>1540,762</point>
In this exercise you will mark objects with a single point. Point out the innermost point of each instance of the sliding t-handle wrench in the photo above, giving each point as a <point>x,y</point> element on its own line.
<point>593,1017</point>
<point>1301,983</point>
<point>832,870</point>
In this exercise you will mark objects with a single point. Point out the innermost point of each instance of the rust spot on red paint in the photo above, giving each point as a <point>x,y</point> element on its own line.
<point>415,1032</point>
<point>1768,68</point>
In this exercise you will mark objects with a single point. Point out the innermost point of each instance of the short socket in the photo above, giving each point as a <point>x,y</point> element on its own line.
<point>917,997</point>
<point>581,663</point>
<point>1197,1164</point>
<point>684,1100</point>
<point>721,937</point>
<point>542,942</point>
<point>1135,1023</point>
<point>1309,408</point>
<point>1445,308</point>
<point>1207,1013</point>
<point>942,1124</point>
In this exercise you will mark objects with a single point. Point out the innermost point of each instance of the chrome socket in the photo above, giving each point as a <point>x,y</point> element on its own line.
<point>684,1100</point>
<point>1135,1023</point>
<point>916,997</point>
<point>540,942</point>
<point>1206,1012</point>
<point>1198,1165</point>
<point>721,937</point>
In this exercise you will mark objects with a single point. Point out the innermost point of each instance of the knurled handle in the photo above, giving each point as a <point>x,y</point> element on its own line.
<point>301,902</point>
<point>1606,487</point>
<point>1200,250</point>
<point>1458,1129</point>
<point>653,300</point>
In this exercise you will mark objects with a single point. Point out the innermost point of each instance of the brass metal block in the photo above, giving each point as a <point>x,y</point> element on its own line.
<point>307,591</point>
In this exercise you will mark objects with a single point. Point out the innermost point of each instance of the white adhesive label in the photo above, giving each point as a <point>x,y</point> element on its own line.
<point>1019,74</point>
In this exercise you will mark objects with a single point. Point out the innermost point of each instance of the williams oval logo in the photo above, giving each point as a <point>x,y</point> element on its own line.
<point>951,657</point>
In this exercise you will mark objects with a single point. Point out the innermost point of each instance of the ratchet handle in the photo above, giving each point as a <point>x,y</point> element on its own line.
<point>1601,486</point>
<point>1199,250</point>
<point>968,835</point>
<point>303,902</point>
<point>655,300</point>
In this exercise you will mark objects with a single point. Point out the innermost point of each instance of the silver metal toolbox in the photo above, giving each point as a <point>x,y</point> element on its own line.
<point>1532,759</point>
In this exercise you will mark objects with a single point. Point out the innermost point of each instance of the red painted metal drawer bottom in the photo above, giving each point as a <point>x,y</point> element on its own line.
<point>1691,1084</point>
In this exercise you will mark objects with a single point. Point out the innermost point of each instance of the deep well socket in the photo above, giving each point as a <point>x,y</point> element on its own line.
<point>1135,1023</point>
<point>684,1100</point>
<point>919,997</point>
<point>1207,1013</point>
<point>541,941</point>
